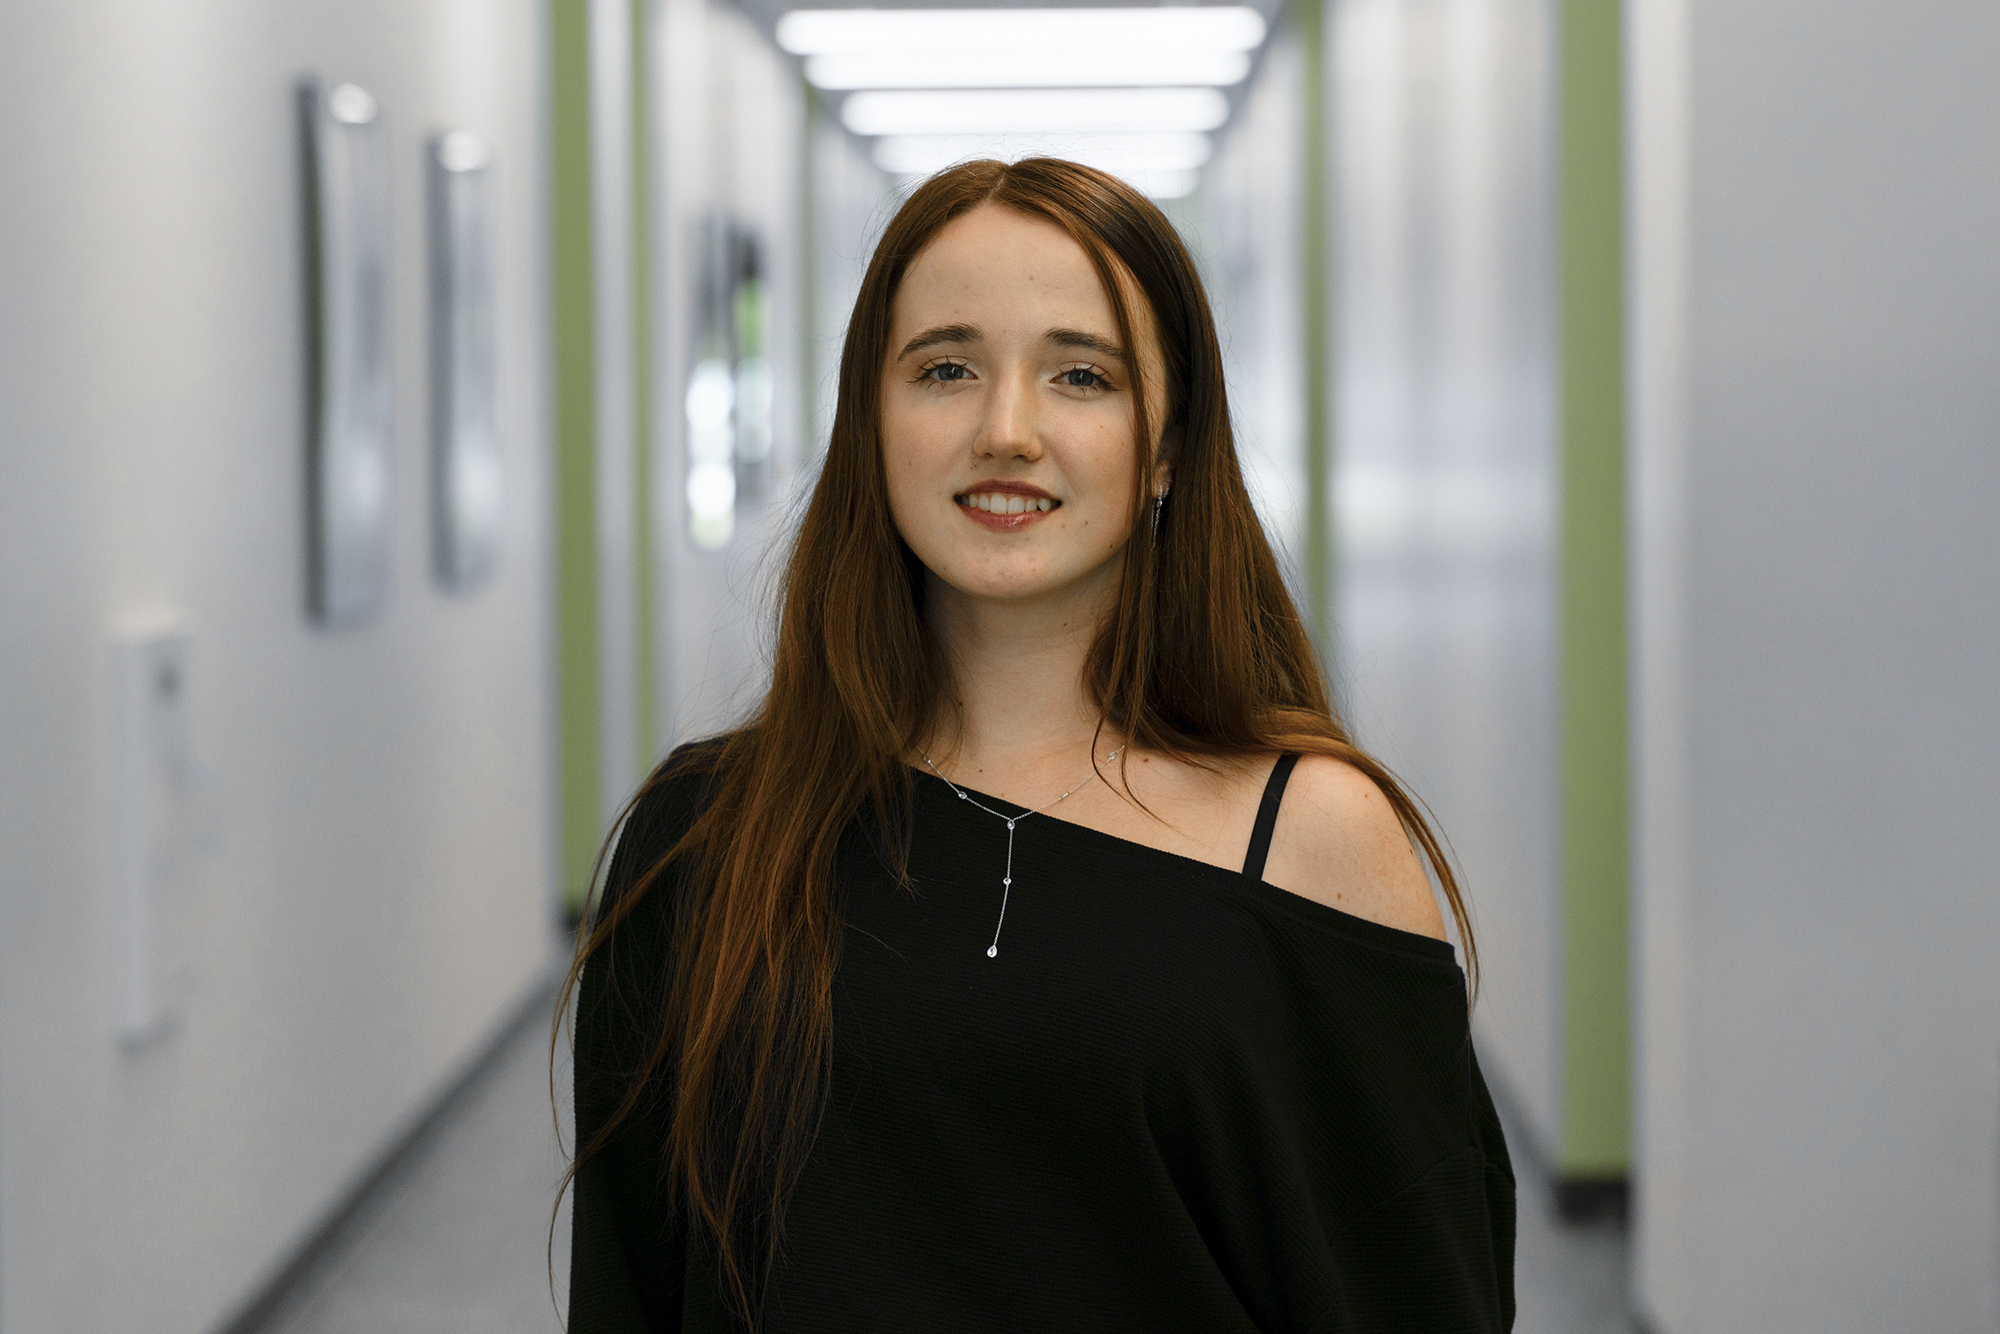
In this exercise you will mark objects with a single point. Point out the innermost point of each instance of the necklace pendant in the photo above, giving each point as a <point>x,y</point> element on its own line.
<point>1007,881</point>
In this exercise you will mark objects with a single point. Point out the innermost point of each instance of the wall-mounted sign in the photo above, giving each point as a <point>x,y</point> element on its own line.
<point>466,475</point>
<point>348,469</point>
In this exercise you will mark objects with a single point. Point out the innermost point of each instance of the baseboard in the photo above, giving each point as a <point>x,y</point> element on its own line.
<point>1577,1199</point>
<point>1592,1199</point>
<point>346,1219</point>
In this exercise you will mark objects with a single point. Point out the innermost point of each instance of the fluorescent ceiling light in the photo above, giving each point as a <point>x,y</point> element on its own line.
<point>1079,111</point>
<point>817,32</point>
<point>1060,67</point>
<point>923,154</point>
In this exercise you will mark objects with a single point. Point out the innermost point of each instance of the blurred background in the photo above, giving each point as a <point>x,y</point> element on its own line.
<point>399,404</point>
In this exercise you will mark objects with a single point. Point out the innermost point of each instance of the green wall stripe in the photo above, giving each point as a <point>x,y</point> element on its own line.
<point>1596,1122</point>
<point>1309,21</point>
<point>572,272</point>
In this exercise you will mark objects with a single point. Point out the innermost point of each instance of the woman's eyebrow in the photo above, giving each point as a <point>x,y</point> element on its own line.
<point>944,333</point>
<point>1088,342</point>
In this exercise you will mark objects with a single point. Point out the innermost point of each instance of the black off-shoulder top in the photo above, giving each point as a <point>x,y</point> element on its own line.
<point>1178,1099</point>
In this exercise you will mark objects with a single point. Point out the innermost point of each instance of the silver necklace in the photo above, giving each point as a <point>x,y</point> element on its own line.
<point>1007,876</point>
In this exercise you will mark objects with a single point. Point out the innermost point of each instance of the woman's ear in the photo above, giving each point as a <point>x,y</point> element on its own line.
<point>1163,461</point>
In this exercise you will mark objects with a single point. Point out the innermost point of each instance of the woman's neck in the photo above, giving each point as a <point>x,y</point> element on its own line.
<point>1017,677</point>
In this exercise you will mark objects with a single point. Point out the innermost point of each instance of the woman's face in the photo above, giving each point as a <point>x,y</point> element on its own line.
<point>1007,412</point>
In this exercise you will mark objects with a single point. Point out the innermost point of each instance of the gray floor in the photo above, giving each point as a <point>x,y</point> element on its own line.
<point>1568,1279</point>
<point>460,1243</point>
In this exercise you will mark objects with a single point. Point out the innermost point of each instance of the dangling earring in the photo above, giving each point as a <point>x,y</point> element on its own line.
<point>1159,503</point>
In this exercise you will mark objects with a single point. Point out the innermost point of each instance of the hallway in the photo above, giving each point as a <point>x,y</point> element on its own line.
<point>406,408</point>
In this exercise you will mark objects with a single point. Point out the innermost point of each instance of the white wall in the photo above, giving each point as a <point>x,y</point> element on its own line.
<point>1816,494</point>
<point>853,200</point>
<point>1445,468</point>
<point>1246,231</point>
<point>376,892</point>
<point>731,135</point>
<point>739,134</point>
<point>622,754</point>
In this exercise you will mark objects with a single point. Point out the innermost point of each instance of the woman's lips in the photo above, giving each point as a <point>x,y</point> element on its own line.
<point>997,518</point>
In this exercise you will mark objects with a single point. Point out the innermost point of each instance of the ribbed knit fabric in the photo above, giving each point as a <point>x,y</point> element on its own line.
<point>1180,1099</point>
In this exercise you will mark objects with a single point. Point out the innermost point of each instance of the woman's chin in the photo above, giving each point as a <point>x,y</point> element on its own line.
<point>1022,583</point>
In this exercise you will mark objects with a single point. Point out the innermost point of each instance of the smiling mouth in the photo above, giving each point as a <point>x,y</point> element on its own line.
<point>993,502</point>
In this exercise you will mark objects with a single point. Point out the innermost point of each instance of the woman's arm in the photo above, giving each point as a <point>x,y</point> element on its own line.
<point>603,1298</point>
<point>628,1249</point>
<point>626,1259</point>
<point>1396,1139</point>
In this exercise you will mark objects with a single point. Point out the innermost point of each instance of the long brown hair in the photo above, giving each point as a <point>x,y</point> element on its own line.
<point>1203,656</point>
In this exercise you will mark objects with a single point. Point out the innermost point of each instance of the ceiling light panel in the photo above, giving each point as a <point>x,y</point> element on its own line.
<point>991,32</point>
<point>1032,111</point>
<point>1057,68</point>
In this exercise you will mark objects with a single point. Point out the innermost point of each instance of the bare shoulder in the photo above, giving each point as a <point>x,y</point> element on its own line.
<point>1338,842</point>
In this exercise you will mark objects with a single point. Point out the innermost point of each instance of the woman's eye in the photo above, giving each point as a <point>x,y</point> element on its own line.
<point>946,372</point>
<point>1081,378</point>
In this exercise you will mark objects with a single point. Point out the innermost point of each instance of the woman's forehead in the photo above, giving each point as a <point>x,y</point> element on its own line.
<point>994,263</point>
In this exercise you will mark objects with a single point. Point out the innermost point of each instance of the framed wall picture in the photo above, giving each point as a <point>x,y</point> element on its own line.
<point>466,473</point>
<point>349,475</point>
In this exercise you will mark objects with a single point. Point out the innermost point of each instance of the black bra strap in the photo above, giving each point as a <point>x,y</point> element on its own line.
<point>1267,816</point>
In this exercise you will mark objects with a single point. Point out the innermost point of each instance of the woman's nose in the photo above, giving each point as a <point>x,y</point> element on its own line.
<point>1009,426</point>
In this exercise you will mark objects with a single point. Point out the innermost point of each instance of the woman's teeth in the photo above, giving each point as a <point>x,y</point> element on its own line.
<point>993,503</point>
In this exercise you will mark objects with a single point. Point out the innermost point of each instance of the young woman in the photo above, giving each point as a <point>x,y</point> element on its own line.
<point>1041,954</point>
